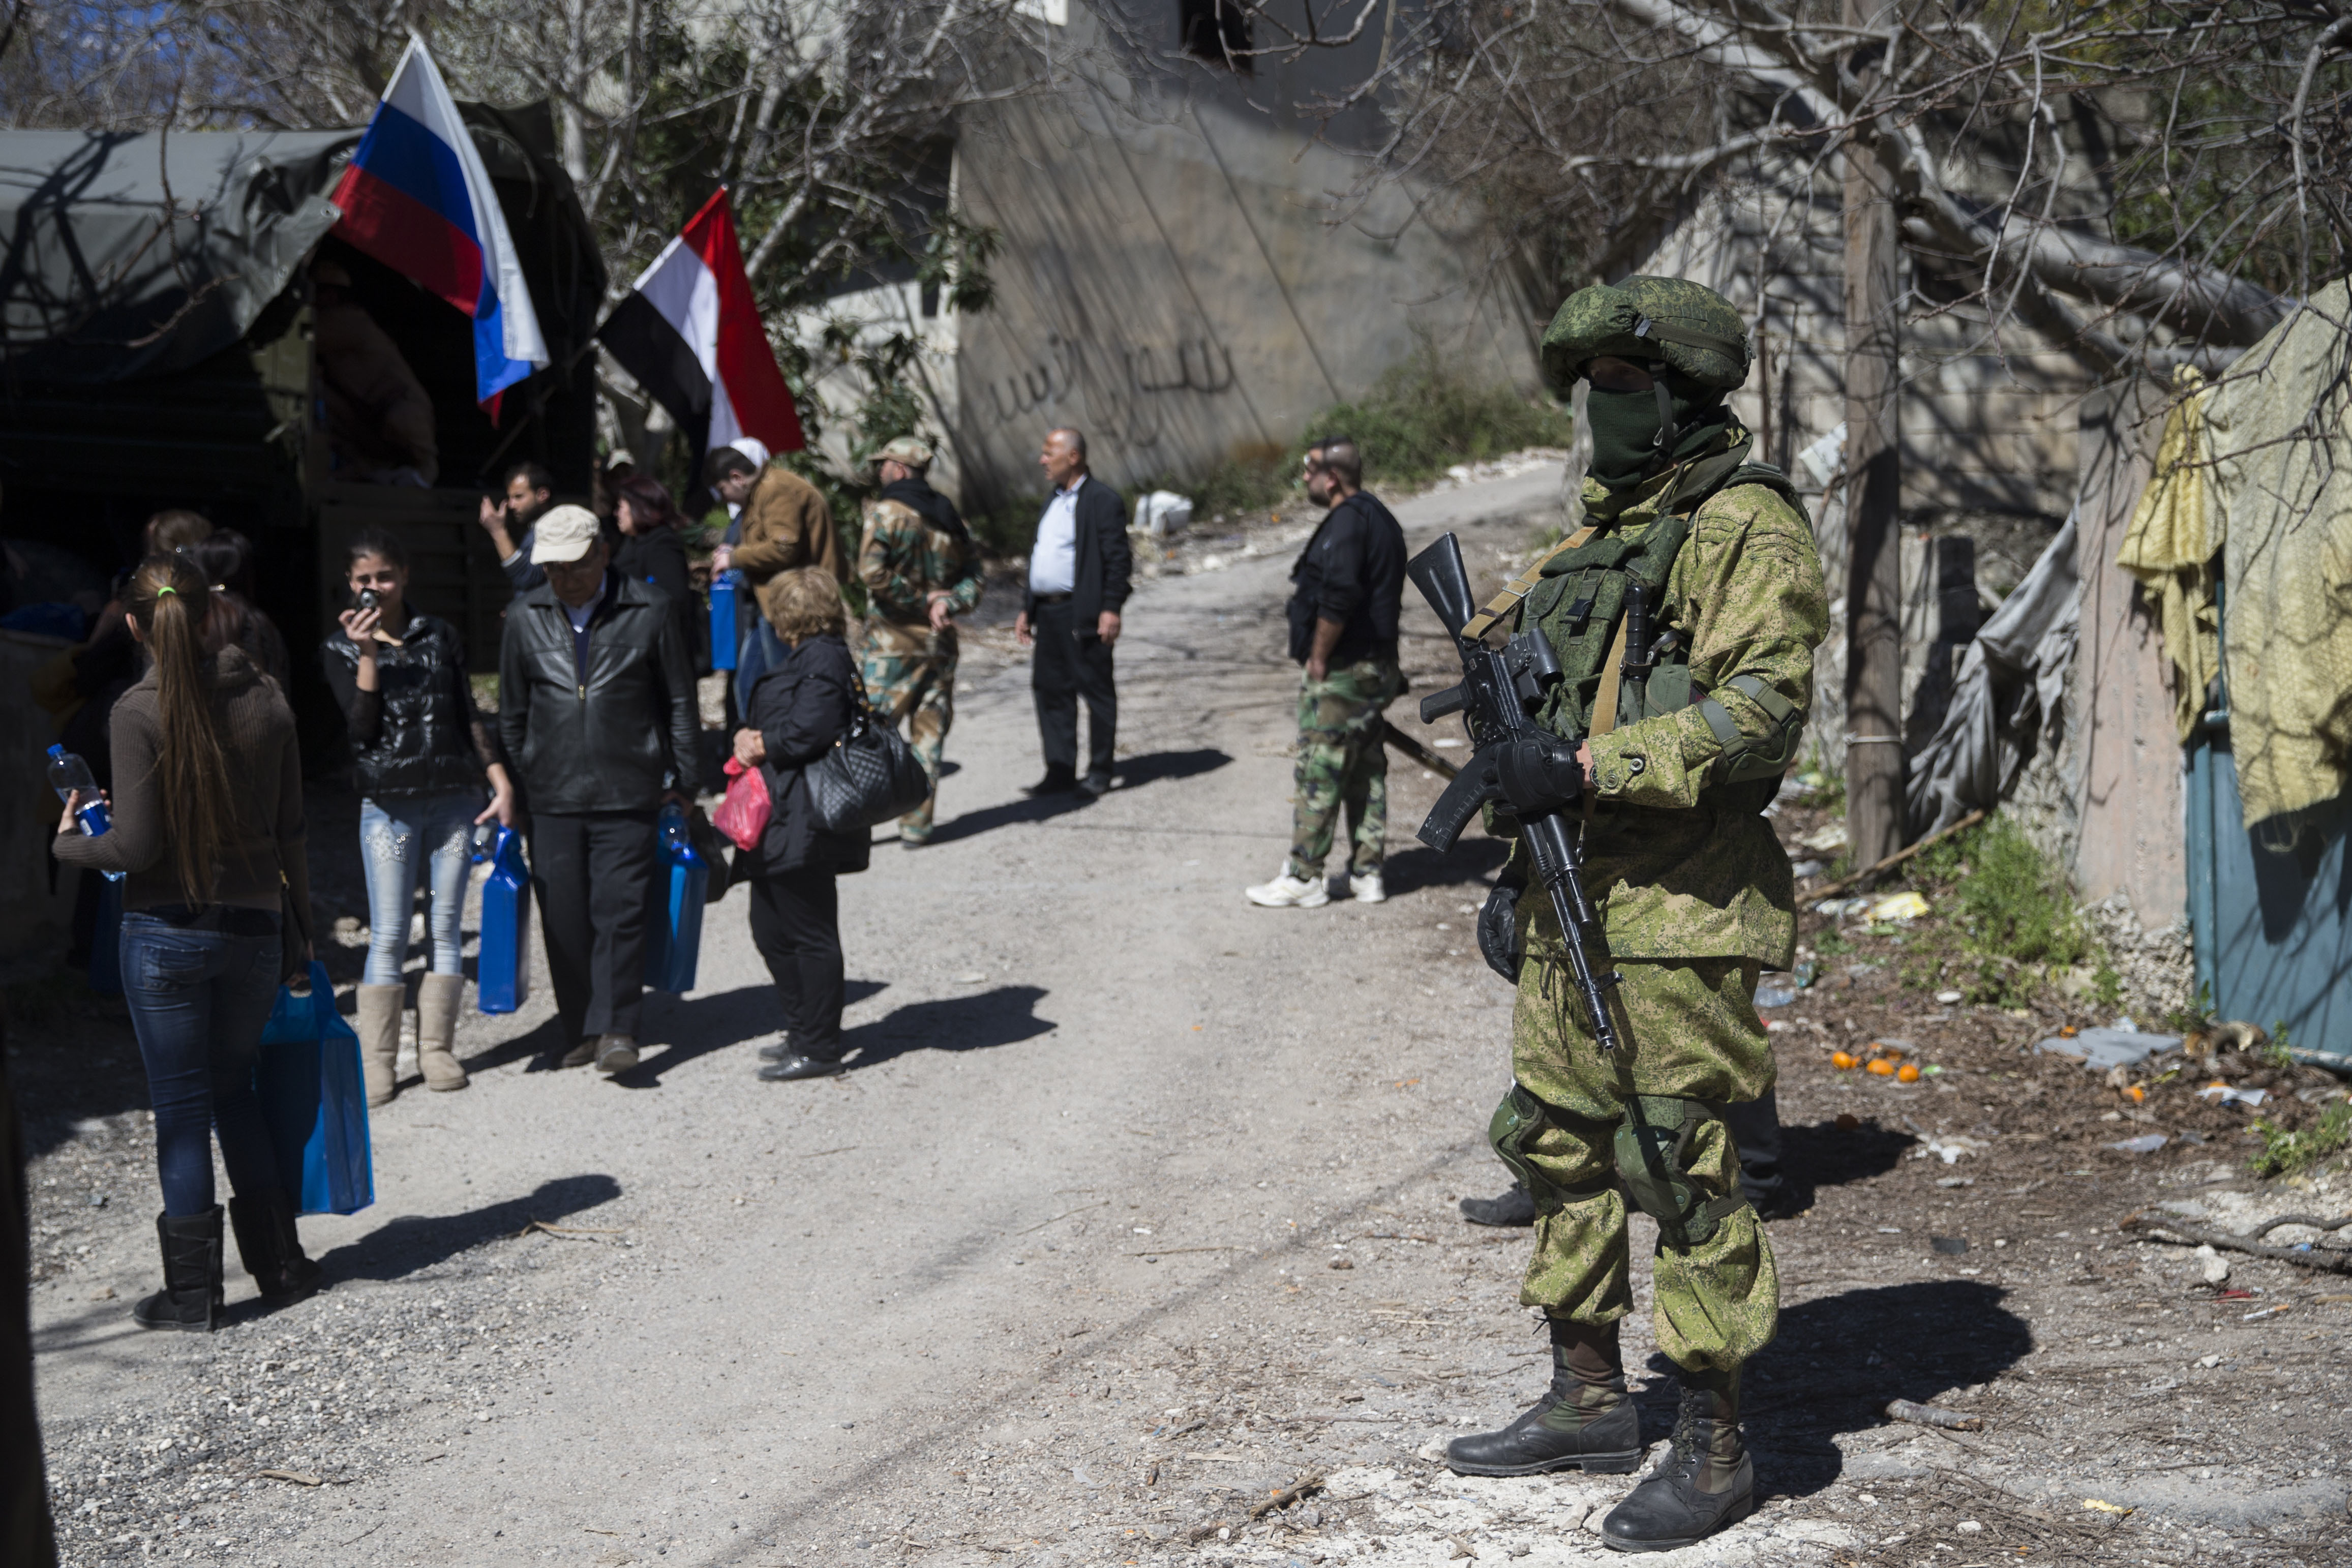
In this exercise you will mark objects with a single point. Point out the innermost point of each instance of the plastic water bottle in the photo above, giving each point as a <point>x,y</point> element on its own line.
<point>502,967</point>
<point>69,775</point>
<point>681,883</point>
<point>723,588</point>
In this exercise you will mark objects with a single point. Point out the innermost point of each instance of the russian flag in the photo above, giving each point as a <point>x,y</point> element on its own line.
<point>690,332</point>
<point>417,199</point>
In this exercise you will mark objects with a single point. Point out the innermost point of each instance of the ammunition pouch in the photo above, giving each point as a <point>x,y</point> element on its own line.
<point>1651,1144</point>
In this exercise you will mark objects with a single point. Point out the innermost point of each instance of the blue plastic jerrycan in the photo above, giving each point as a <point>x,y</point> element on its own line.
<point>502,969</point>
<point>723,586</point>
<point>681,879</point>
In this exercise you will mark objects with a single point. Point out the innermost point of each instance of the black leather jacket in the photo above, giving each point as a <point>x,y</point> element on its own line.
<point>604,728</point>
<point>418,733</point>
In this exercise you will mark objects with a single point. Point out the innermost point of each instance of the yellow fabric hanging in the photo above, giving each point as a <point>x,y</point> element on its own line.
<point>2169,548</point>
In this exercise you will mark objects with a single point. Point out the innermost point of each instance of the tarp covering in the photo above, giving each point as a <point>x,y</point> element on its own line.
<point>2280,427</point>
<point>2006,697</point>
<point>2168,549</point>
<point>125,255</point>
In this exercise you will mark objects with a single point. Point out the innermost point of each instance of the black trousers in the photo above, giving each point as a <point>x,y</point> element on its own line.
<point>1071,663</point>
<point>593,874</point>
<point>796,926</point>
<point>1755,1127</point>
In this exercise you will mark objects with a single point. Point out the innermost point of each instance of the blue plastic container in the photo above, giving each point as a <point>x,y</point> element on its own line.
<point>315,1102</point>
<point>502,969</point>
<point>681,882</point>
<point>723,619</point>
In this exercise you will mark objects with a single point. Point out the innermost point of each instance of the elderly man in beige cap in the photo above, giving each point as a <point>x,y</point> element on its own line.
<point>921,569</point>
<point>596,710</point>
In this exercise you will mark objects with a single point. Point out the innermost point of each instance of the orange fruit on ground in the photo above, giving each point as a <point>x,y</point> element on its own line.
<point>1907,1073</point>
<point>1880,1066</point>
<point>1842,1059</point>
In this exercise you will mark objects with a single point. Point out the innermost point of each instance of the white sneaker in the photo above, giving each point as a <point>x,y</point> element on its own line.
<point>1366,887</point>
<point>1286,892</point>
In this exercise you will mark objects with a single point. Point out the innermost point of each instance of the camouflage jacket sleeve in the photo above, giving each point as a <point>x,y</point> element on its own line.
<point>904,561</point>
<point>1747,591</point>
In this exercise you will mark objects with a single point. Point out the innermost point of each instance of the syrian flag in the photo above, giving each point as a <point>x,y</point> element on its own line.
<point>691,334</point>
<point>416,197</point>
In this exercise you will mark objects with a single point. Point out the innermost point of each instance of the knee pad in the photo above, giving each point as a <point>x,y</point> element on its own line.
<point>1517,1122</point>
<point>1651,1145</point>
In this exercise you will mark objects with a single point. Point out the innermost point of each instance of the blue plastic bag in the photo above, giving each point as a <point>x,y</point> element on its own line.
<point>315,1102</point>
<point>106,940</point>
<point>502,967</point>
<point>723,589</point>
<point>681,885</point>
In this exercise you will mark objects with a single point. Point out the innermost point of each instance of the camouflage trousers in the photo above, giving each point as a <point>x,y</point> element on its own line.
<point>918,690</point>
<point>1343,764</point>
<point>1688,1030</point>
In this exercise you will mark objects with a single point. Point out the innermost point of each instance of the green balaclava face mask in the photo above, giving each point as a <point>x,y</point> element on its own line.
<point>1625,429</point>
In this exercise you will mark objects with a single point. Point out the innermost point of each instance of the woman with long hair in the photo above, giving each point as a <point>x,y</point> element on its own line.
<point>422,754</point>
<point>208,829</point>
<point>651,549</point>
<point>801,708</point>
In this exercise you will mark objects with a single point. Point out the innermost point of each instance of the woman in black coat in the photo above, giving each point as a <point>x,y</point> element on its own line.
<point>800,711</point>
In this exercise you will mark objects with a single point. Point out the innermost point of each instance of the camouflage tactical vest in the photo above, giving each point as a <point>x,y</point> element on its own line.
<point>1580,605</point>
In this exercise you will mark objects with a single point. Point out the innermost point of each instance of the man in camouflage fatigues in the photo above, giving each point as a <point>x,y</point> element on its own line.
<point>1677,760</point>
<point>920,568</point>
<point>1349,582</point>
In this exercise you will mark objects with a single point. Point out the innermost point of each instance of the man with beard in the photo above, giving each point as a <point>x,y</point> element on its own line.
<point>1683,616</point>
<point>530,491</point>
<point>920,568</point>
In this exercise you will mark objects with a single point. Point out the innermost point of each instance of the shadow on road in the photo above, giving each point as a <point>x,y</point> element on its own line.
<point>412,1243</point>
<point>699,1026</point>
<point>1825,1155</point>
<point>1837,1361</point>
<point>1474,859</point>
<point>975,1023</point>
<point>1156,767</point>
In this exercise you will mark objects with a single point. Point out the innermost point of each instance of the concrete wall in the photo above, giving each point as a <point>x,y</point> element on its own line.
<point>2130,836</point>
<point>1179,281</point>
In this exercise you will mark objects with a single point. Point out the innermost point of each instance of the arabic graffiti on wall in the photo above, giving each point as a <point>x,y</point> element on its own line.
<point>1127,400</point>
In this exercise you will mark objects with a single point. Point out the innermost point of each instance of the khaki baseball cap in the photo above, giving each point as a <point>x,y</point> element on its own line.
<point>907,450</point>
<point>563,536</point>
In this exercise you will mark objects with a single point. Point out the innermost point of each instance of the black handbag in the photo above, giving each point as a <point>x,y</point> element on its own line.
<point>870,776</point>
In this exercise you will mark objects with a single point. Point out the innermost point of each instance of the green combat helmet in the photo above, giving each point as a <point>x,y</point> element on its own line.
<point>1687,326</point>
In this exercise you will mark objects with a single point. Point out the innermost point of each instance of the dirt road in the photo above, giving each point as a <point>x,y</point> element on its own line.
<point>1137,1206</point>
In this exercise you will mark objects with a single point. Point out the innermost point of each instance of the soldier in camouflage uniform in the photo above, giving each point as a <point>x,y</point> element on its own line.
<point>1679,753</point>
<point>921,569</point>
<point>1349,582</point>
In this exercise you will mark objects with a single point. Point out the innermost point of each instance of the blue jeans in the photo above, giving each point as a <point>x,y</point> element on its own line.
<point>762,651</point>
<point>200,986</point>
<point>396,839</point>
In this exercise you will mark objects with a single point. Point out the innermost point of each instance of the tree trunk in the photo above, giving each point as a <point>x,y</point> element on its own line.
<point>1874,477</point>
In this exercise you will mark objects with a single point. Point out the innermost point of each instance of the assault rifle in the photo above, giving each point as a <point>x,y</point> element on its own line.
<point>1499,689</point>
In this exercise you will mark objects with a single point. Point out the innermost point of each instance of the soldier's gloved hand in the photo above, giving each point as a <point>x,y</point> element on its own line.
<point>1539,773</point>
<point>1499,941</point>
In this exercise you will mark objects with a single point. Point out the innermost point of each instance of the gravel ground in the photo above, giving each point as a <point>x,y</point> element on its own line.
<point>1137,1212</point>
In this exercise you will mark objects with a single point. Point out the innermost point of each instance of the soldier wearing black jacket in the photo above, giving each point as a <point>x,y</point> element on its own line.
<point>597,714</point>
<point>1078,581</point>
<point>1347,592</point>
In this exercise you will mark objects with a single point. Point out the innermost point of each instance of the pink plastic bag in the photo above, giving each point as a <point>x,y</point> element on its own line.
<point>743,814</point>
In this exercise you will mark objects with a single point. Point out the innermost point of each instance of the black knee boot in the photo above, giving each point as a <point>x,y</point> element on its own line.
<point>1583,1420</point>
<point>191,1296</point>
<point>269,1245</point>
<point>1705,1483</point>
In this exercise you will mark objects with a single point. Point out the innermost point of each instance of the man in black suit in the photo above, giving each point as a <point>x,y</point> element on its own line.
<point>1077,583</point>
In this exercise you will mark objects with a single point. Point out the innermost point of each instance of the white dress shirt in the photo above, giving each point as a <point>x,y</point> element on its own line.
<point>578,614</point>
<point>1054,563</point>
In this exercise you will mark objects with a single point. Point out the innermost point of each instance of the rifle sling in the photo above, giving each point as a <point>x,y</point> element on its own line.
<point>1520,586</point>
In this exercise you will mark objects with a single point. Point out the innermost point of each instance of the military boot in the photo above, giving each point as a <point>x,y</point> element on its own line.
<point>1583,1420</point>
<point>1705,1482</point>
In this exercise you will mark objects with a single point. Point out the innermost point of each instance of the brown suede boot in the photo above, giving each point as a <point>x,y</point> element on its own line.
<point>437,1030</point>
<point>378,1025</point>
